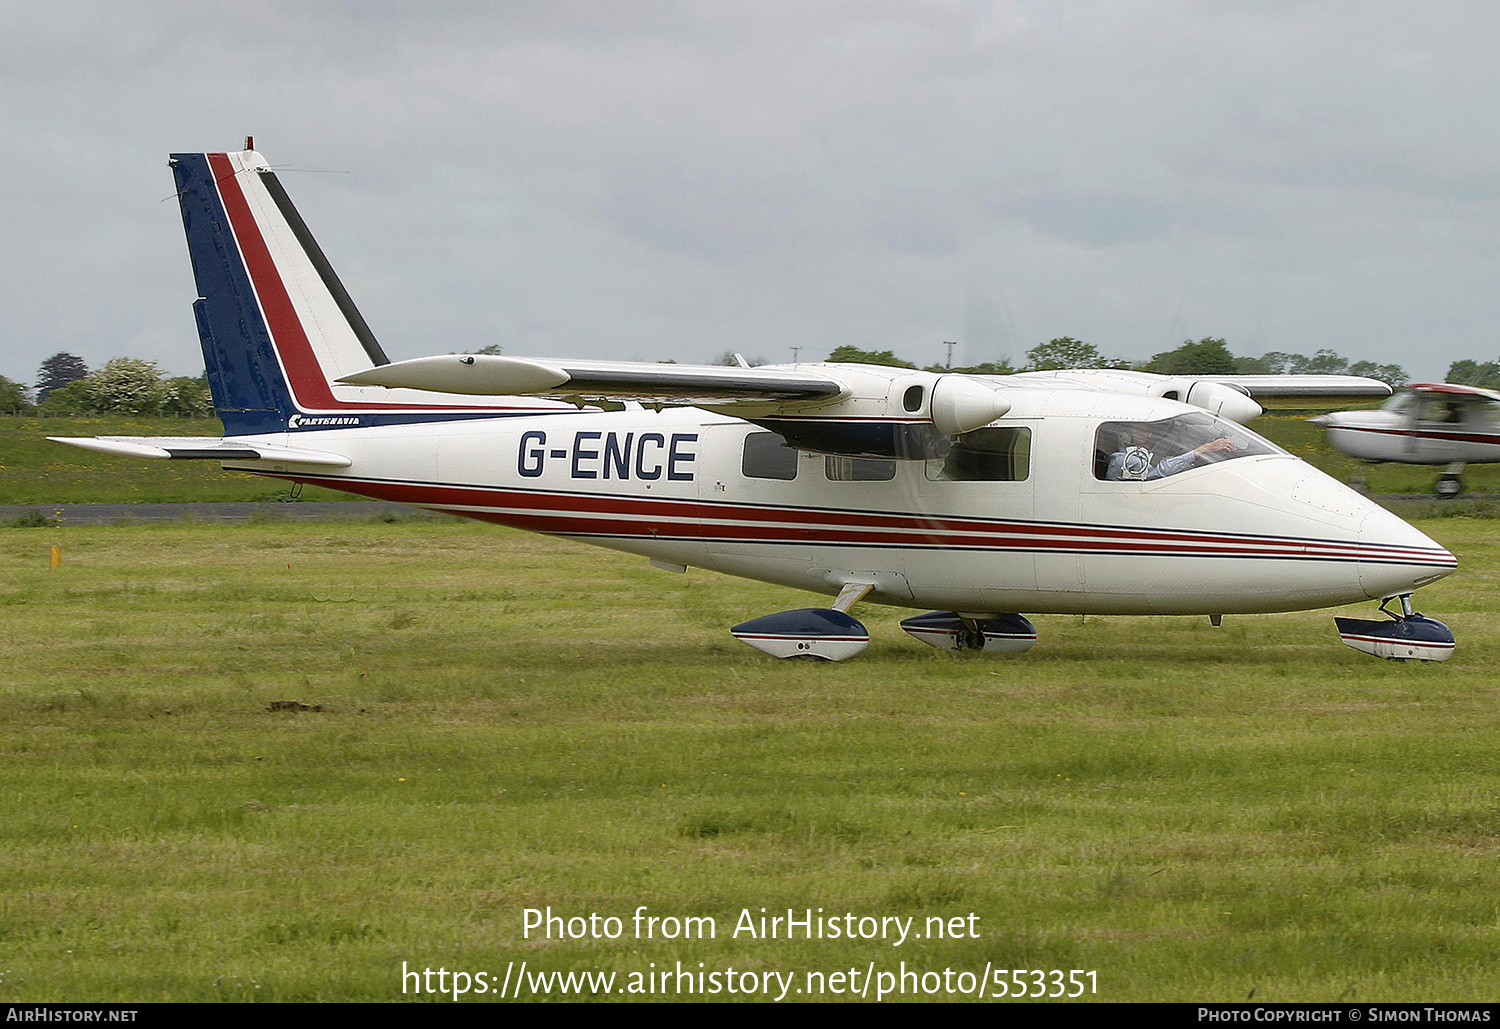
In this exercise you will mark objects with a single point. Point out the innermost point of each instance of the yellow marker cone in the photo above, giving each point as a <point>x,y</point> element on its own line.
<point>56,555</point>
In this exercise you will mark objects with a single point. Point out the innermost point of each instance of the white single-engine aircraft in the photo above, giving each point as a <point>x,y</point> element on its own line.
<point>1426,423</point>
<point>979,497</point>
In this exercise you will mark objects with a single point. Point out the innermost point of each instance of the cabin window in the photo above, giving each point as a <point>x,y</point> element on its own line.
<point>986,455</point>
<point>767,456</point>
<point>912,399</point>
<point>1440,410</point>
<point>1125,451</point>
<point>858,469</point>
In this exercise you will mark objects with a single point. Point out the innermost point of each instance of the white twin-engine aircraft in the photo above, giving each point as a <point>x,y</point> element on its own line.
<point>978,497</point>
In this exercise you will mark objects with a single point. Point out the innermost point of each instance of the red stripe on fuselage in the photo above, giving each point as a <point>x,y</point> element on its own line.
<point>1488,439</point>
<point>667,518</point>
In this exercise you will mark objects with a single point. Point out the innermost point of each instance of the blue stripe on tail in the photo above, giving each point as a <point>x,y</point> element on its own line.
<point>250,391</point>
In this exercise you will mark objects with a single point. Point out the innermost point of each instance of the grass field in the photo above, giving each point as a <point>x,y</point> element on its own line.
<point>510,722</point>
<point>35,471</point>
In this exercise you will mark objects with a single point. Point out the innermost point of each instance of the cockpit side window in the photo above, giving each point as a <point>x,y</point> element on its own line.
<point>1125,451</point>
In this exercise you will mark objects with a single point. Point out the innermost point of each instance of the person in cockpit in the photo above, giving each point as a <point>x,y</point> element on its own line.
<point>1134,459</point>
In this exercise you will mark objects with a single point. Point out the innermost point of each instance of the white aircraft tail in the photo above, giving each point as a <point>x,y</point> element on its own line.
<point>277,326</point>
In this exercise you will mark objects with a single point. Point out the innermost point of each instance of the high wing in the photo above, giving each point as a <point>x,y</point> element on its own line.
<point>953,402</point>
<point>1267,390</point>
<point>203,448</point>
<point>493,375</point>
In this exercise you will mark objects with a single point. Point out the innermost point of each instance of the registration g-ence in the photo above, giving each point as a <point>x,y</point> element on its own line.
<point>611,455</point>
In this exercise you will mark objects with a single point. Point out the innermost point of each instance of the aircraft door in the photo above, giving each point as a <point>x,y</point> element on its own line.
<point>1064,456</point>
<point>975,495</point>
<point>1438,420</point>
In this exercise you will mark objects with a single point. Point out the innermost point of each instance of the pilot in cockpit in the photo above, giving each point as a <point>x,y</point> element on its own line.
<point>1135,458</point>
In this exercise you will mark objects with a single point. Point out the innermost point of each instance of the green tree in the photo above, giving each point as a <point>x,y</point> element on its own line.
<point>1062,353</point>
<point>854,355</point>
<point>1393,375</point>
<point>57,371</point>
<point>188,398</point>
<point>1324,362</point>
<point>13,397</point>
<point>1273,362</point>
<point>1473,373</point>
<point>1208,356</point>
<point>1000,367</point>
<point>128,385</point>
<point>70,399</point>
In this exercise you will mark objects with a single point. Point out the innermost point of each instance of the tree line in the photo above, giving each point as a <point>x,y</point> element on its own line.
<point>1207,356</point>
<point>125,385</point>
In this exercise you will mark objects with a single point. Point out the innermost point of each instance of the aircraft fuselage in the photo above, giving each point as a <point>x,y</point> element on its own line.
<point>1050,535</point>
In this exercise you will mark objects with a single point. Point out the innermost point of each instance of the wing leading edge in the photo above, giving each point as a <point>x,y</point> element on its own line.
<point>493,375</point>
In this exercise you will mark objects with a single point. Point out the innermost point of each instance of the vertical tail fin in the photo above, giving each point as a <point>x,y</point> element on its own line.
<point>275,322</point>
<point>277,326</point>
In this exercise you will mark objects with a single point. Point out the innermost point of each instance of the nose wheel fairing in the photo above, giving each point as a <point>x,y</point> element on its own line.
<point>1409,636</point>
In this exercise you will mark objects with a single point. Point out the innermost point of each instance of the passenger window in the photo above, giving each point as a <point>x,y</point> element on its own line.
<point>858,469</point>
<point>767,456</point>
<point>1436,409</point>
<point>986,455</point>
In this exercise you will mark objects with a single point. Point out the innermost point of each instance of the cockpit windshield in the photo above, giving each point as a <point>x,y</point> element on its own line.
<point>1399,402</point>
<point>1154,450</point>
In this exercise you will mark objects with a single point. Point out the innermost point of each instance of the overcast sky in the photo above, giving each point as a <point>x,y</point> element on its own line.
<point>674,180</point>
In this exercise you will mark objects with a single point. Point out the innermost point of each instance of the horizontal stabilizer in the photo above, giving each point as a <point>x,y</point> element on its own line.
<point>493,375</point>
<point>202,448</point>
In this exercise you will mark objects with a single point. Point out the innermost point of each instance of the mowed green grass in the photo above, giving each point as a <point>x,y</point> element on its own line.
<point>513,722</point>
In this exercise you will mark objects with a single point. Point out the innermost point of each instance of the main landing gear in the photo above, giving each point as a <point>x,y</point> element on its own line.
<point>1407,636</point>
<point>1451,483</point>
<point>832,634</point>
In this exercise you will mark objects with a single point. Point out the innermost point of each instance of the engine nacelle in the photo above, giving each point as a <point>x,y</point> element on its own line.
<point>1214,397</point>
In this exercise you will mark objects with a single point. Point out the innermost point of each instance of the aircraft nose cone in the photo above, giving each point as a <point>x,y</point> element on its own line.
<point>1397,558</point>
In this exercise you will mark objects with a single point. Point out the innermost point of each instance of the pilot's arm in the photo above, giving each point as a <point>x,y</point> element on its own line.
<point>1182,462</point>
